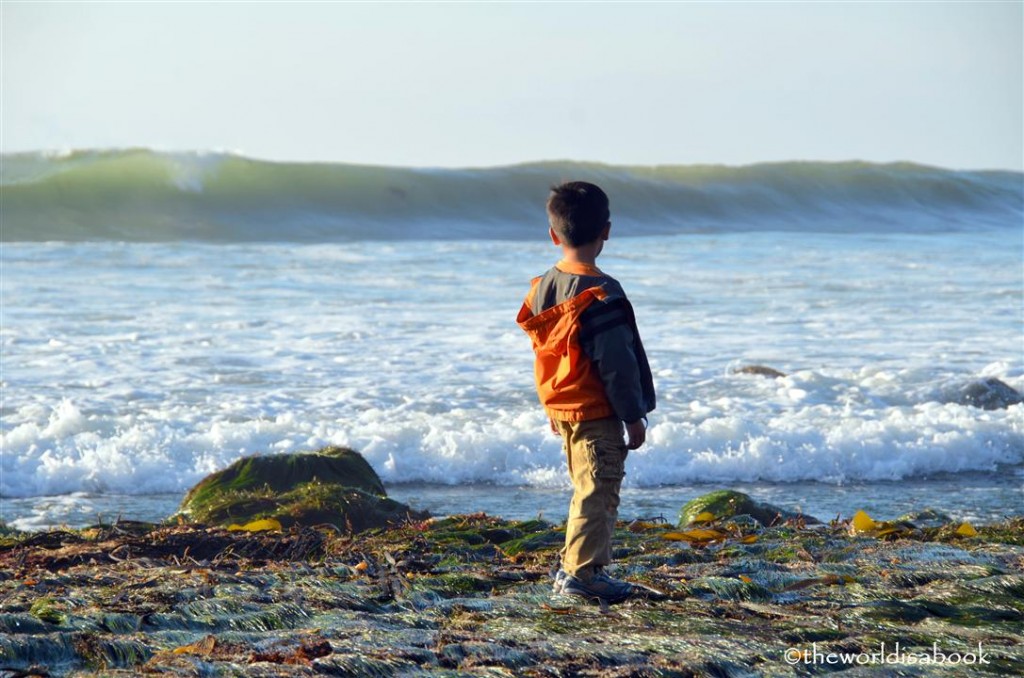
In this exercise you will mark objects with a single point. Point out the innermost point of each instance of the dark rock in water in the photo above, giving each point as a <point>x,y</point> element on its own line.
<point>989,394</point>
<point>334,485</point>
<point>926,518</point>
<point>729,503</point>
<point>759,370</point>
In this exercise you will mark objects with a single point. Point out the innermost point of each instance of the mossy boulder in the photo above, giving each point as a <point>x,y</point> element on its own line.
<point>334,485</point>
<point>283,472</point>
<point>313,503</point>
<point>729,503</point>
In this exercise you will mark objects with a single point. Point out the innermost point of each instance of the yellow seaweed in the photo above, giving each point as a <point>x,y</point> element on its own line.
<point>967,530</point>
<point>264,525</point>
<point>862,522</point>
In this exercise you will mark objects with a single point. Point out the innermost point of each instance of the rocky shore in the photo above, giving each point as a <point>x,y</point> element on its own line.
<point>470,595</point>
<point>300,565</point>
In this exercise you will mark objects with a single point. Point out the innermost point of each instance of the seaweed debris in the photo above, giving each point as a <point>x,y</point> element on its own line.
<point>471,595</point>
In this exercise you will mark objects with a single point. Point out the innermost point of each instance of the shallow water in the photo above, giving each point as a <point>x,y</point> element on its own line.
<point>975,497</point>
<point>131,371</point>
<point>139,369</point>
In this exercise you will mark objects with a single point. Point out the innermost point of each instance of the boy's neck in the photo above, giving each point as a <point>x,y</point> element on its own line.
<point>585,254</point>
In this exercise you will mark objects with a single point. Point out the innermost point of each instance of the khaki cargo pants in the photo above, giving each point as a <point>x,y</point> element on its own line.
<point>596,452</point>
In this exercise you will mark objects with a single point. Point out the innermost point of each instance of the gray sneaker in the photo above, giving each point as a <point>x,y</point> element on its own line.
<point>559,584</point>
<point>601,586</point>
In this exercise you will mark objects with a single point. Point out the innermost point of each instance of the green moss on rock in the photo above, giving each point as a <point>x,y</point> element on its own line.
<point>9,536</point>
<point>282,472</point>
<point>315,503</point>
<point>48,610</point>
<point>729,503</point>
<point>334,485</point>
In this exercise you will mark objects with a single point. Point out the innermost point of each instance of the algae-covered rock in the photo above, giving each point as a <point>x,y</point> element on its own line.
<point>334,485</point>
<point>729,503</point>
<point>9,535</point>
<point>283,472</point>
<point>313,503</point>
<point>48,610</point>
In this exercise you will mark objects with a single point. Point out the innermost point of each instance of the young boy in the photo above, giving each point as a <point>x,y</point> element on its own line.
<point>592,377</point>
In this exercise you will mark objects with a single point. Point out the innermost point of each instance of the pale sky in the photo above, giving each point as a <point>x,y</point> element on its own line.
<point>482,84</point>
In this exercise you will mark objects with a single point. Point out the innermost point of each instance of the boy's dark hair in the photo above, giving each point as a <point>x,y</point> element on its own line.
<point>578,212</point>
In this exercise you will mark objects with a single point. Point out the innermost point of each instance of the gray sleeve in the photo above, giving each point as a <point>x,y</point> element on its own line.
<point>607,337</point>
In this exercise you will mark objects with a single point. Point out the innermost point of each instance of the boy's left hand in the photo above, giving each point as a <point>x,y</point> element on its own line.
<point>636,434</point>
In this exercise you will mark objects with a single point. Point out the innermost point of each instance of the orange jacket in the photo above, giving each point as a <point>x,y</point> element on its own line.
<point>568,386</point>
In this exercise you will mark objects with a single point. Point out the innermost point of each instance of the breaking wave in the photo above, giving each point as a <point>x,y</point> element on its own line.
<point>145,195</point>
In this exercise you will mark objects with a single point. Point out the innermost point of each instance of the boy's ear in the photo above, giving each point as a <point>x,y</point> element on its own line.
<point>607,231</point>
<point>554,236</point>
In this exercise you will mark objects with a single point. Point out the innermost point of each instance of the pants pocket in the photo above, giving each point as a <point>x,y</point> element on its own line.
<point>609,460</point>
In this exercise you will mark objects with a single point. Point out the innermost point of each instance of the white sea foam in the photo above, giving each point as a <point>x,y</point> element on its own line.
<point>139,369</point>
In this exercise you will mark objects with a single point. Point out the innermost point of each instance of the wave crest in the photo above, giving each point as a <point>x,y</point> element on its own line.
<point>145,195</point>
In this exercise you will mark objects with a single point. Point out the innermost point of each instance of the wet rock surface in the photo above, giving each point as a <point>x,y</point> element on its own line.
<point>471,595</point>
<point>989,394</point>
<point>760,371</point>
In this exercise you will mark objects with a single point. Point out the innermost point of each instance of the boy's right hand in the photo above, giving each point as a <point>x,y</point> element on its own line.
<point>636,434</point>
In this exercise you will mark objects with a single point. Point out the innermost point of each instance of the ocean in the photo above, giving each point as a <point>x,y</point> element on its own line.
<point>164,314</point>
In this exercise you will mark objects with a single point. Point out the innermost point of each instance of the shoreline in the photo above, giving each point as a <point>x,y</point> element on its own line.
<point>471,594</point>
<point>975,496</point>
